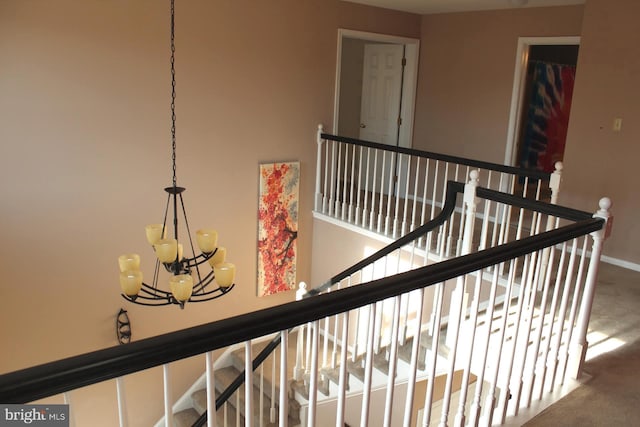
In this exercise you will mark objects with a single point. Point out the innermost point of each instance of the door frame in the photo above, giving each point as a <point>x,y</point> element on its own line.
<point>410,82</point>
<point>519,80</point>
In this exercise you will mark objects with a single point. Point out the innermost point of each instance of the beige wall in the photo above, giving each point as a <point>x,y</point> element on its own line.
<point>466,76</point>
<point>464,93</point>
<point>84,127</point>
<point>599,161</point>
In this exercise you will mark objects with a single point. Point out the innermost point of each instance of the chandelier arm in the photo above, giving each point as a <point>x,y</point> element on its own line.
<point>156,272</point>
<point>186,223</point>
<point>219,291</point>
<point>153,291</point>
<point>195,261</point>
<point>146,303</point>
<point>201,285</point>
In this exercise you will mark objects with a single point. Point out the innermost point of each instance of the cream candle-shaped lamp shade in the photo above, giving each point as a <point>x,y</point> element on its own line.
<point>154,233</point>
<point>207,240</point>
<point>166,250</point>
<point>181,286</point>
<point>129,262</point>
<point>225,274</point>
<point>131,282</point>
<point>180,251</point>
<point>218,257</point>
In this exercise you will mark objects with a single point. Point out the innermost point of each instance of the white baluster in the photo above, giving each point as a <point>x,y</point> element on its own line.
<point>343,378</point>
<point>248,385</point>
<point>579,345</point>
<point>431,365</point>
<point>414,208</point>
<point>313,380</point>
<point>393,362</point>
<point>274,364</point>
<point>352,184</point>
<point>284,400</point>
<point>539,329</point>
<point>325,346</point>
<point>372,224</point>
<point>72,415</point>
<point>299,369</point>
<point>122,403</point>
<point>319,141</point>
<point>391,195</point>
<point>366,190</point>
<point>261,396</point>
<point>574,308</point>
<point>238,410</point>
<point>168,412</point>
<point>520,347</point>
<point>211,391</point>
<point>476,407</point>
<point>345,181</point>
<point>338,206</point>
<point>368,367</point>
<point>502,337</point>
<point>562,315</point>
<point>544,359</point>
<point>357,218</point>
<point>325,201</point>
<point>413,366</point>
<point>381,201</point>
<point>332,189</point>
<point>470,343</point>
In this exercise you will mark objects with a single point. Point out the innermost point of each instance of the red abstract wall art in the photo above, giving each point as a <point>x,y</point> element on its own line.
<point>277,227</point>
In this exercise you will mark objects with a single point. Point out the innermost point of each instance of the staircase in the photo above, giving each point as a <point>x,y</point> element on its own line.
<point>232,413</point>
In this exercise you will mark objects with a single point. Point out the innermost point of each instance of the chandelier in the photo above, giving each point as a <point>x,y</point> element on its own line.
<point>187,282</point>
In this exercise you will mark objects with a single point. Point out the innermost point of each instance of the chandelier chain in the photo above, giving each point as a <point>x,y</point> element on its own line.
<point>173,94</point>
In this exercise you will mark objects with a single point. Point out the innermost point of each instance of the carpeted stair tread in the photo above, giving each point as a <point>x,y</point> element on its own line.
<point>333,375</point>
<point>185,418</point>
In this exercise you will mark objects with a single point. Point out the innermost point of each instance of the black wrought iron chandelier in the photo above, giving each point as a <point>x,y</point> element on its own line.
<point>186,283</point>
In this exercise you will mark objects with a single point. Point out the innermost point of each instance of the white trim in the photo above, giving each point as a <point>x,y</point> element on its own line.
<point>411,75</point>
<point>522,55</point>
<point>620,263</point>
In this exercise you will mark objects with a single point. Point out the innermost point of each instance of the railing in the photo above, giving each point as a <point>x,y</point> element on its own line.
<point>392,190</point>
<point>522,330</point>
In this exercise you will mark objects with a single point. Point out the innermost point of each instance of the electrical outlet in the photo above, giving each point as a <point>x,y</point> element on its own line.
<point>617,124</point>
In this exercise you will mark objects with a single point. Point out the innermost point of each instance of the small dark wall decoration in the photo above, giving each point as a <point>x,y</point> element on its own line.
<point>123,327</point>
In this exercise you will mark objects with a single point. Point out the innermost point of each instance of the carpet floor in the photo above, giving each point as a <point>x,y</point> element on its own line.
<point>612,396</point>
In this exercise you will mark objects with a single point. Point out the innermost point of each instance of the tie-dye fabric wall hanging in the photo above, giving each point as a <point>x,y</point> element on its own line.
<point>547,117</point>
<point>277,227</point>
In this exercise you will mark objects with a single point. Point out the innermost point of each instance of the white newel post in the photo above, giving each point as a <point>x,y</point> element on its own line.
<point>318,199</point>
<point>554,185</point>
<point>579,345</point>
<point>459,297</point>
<point>554,182</point>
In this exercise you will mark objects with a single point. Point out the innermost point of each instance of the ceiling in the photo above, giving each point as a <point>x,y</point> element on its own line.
<point>424,7</point>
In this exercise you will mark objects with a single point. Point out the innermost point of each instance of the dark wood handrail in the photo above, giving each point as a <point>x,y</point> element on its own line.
<point>534,174</point>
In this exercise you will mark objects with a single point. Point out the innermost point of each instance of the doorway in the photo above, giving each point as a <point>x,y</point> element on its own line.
<point>541,101</point>
<point>376,79</point>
